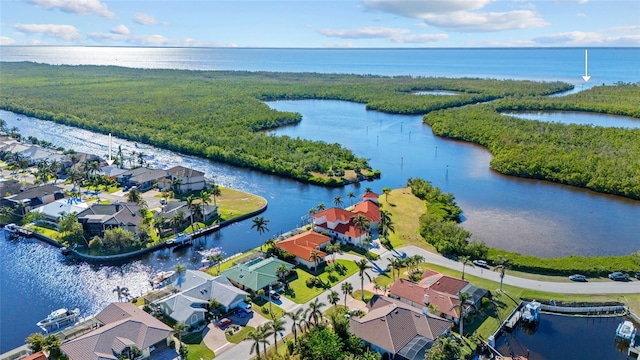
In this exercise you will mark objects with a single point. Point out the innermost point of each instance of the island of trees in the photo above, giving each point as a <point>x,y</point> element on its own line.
<point>222,116</point>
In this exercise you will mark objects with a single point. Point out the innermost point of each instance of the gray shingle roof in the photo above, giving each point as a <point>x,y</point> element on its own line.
<point>181,171</point>
<point>124,325</point>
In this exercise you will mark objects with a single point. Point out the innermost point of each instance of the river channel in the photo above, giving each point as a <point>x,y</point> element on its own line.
<point>527,216</point>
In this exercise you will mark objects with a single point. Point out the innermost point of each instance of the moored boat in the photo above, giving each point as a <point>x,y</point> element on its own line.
<point>161,279</point>
<point>626,330</point>
<point>59,318</point>
<point>11,228</point>
<point>531,312</point>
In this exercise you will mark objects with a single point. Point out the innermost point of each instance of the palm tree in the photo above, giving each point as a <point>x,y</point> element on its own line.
<point>333,297</point>
<point>363,266</point>
<point>215,192</point>
<point>257,339</point>
<point>465,260</point>
<point>179,330</point>
<point>264,331</point>
<point>347,289</point>
<point>315,311</point>
<point>281,272</point>
<point>176,220</point>
<point>361,222</point>
<point>462,308</point>
<point>122,292</point>
<point>141,160</point>
<point>417,259</point>
<point>135,196</point>
<point>296,317</point>
<point>260,224</point>
<point>175,185</point>
<point>277,325</point>
<point>351,196</point>
<point>386,223</point>
<point>337,200</point>
<point>503,265</point>
<point>386,191</point>
<point>367,190</point>
<point>190,205</point>
<point>217,259</point>
<point>205,198</point>
<point>320,207</point>
<point>315,257</point>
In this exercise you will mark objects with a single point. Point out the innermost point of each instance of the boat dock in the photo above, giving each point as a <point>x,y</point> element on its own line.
<point>513,320</point>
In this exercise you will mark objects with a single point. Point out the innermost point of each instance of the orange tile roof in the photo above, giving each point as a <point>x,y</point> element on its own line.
<point>36,356</point>
<point>333,214</point>
<point>416,293</point>
<point>370,195</point>
<point>369,209</point>
<point>302,245</point>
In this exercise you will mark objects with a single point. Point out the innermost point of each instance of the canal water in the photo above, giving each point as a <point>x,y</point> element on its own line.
<point>566,337</point>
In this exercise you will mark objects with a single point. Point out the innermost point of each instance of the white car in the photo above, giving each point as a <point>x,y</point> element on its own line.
<point>480,263</point>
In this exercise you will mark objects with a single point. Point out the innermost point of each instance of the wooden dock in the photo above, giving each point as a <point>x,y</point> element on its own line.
<point>513,320</point>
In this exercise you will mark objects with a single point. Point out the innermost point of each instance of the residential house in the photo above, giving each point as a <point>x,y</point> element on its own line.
<point>54,210</point>
<point>436,291</point>
<point>9,187</point>
<point>371,196</point>
<point>171,208</point>
<point>123,326</point>
<point>100,217</point>
<point>29,199</point>
<point>397,330</point>
<point>35,154</point>
<point>111,171</point>
<point>197,288</point>
<point>303,245</point>
<point>36,356</point>
<point>189,179</point>
<point>339,224</point>
<point>255,274</point>
<point>142,178</point>
<point>370,210</point>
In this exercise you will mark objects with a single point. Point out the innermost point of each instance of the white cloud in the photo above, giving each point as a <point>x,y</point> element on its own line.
<point>578,1</point>
<point>146,19</point>
<point>625,28</point>
<point>459,15</point>
<point>64,32</point>
<point>344,44</point>
<point>120,30</point>
<point>420,38</point>
<point>101,37</point>
<point>365,33</point>
<point>4,41</point>
<point>80,7</point>
<point>570,38</point>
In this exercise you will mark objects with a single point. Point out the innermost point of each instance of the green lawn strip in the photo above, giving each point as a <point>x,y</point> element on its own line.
<point>232,203</point>
<point>46,232</point>
<point>336,310</point>
<point>195,227</point>
<point>299,292</point>
<point>266,310</point>
<point>240,335</point>
<point>357,294</point>
<point>197,349</point>
<point>405,209</point>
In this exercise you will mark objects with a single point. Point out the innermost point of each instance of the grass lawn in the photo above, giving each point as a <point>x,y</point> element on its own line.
<point>300,293</point>
<point>197,349</point>
<point>240,335</point>
<point>357,294</point>
<point>267,311</point>
<point>232,203</point>
<point>405,212</point>
<point>46,232</point>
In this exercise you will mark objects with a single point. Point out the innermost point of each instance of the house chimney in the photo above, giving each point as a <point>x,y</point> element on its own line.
<point>426,299</point>
<point>117,204</point>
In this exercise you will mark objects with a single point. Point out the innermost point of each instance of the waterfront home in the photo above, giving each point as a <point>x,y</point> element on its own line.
<point>185,179</point>
<point>171,208</point>
<point>100,217</point>
<point>28,199</point>
<point>35,154</point>
<point>53,211</point>
<point>77,160</point>
<point>10,186</point>
<point>397,330</point>
<point>142,178</point>
<point>123,328</point>
<point>436,291</point>
<point>303,245</point>
<point>196,289</point>
<point>111,171</point>
<point>339,224</point>
<point>370,210</point>
<point>256,273</point>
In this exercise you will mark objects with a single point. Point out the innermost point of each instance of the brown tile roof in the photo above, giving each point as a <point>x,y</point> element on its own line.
<point>369,209</point>
<point>124,325</point>
<point>36,356</point>
<point>182,171</point>
<point>419,294</point>
<point>391,324</point>
<point>370,195</point>
<point>302,245</point>
<point>443,283</point>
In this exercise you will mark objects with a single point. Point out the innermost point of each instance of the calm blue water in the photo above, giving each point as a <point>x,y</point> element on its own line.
<point>579,118</point>
<point>566,337</point>
<point>503,211</point>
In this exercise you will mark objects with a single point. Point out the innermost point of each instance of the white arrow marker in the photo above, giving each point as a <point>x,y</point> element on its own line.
<point>110,162</point>
<point>586,76</point>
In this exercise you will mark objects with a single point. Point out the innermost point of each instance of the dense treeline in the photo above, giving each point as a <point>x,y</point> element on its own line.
<point>221,114</point>
<point>439,224</point>
<point>598,158</point>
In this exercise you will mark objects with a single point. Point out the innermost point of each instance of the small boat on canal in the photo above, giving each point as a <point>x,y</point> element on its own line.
<point>161,279</point>
<point>58,319</point>
<point>531,312</point>
<point>626,330</point>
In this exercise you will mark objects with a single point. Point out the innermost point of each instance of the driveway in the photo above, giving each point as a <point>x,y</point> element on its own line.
<point>214,338</point>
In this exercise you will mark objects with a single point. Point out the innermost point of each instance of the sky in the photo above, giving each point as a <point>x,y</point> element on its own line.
<point>321,24</point>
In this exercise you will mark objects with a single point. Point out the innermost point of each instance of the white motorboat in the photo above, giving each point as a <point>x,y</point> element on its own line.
<point>181,239</point>
<point>59,318</point>
<point>626,330</point>
<point>161,278</point>
<point>531,311</point>
<point>11,228</point>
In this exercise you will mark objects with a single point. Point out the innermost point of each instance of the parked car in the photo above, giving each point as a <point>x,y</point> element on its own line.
<point>578,277</point>
<point>243,313</point>
<point>274,295</point>
<point>480,263</point>
<point>224,322</point>
<point>638,275</point>
<point>619,276</point>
